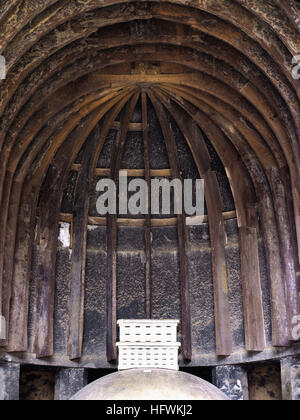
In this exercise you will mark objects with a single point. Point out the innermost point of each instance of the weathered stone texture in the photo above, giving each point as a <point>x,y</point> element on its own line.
<point>68,382</point>
<point>9,381</point>
<point>290,378</point>
<point>233,381</point>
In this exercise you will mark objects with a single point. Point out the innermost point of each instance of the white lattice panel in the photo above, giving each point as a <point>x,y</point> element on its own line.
<point>148,344</point>
<point>132,356</point>
<point>148,331</point>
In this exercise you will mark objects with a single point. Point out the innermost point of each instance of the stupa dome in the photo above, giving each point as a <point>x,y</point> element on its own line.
<point>156,384</point>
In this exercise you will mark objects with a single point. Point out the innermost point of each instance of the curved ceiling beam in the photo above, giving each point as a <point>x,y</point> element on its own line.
<point>291,9</point>
<point>235,15</point>
<point>280,311</point>
<point>84,107</point>
<point>43,115</point>
<point>243,196</point>
<point>277,19</point>
<point>14,189</point>
<point>39,96</point>
<point>111,232</point>
<point>70,130</point>
<point>273,173</point>
<point>274,124</point>
<point>74,141</point>
<point>281,130</point>
<point>55,40</point>
<point>269,153</point>
<point>210,46</point>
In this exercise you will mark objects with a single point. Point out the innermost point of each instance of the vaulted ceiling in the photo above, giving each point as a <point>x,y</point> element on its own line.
<point>223,68</point>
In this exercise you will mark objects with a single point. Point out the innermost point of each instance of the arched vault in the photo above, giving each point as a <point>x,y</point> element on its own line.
<point>223,68</point>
